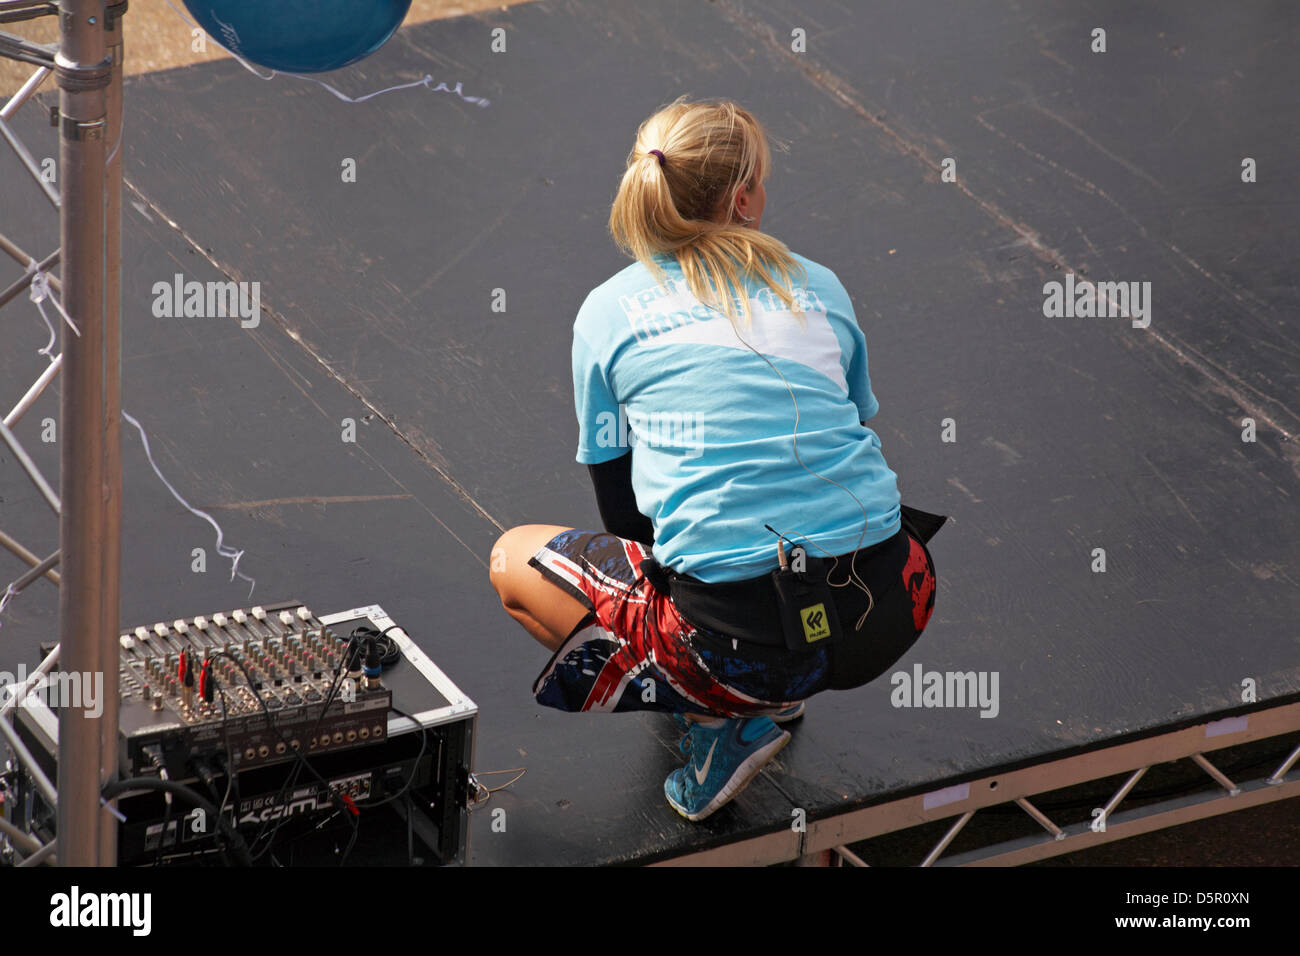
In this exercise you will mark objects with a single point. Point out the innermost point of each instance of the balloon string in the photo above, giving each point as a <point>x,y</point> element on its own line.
<point>222,549</point>
<point>10,593</point>
<point>426,81</point>
<point>39,292</point>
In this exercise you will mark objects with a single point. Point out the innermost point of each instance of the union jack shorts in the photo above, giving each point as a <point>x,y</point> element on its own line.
<point>634,651</point>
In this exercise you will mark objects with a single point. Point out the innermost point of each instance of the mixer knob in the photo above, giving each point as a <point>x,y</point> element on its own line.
<point>141,632</point>
<point>201,622</point>
<point>259,612</point>
<point>219,619</point>
<point>180,626</point>
<point>286,618</point>
<point>304,614</point>
<point>239,616</point>
<point>160,629</point>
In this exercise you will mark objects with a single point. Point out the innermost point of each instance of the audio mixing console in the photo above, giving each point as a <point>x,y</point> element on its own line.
<point>314,718</point>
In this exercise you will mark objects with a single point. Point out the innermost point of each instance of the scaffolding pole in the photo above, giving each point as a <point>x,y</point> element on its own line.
<point>111,620</point>
<point>90,479</point>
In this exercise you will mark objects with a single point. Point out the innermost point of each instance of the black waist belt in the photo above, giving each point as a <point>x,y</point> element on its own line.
<point>750,610</point>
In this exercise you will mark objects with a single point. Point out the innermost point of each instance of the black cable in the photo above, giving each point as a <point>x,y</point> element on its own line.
<point>292,778</point>
<point>162,837</point>
<point>208,776</point>
<point>155,754</point>
<point>389,651</point>
<point>235,842</point>
<point>424,744</point>
<point>225,733</point>
<point>351,843</point>
<point>225,712</point>
<point>415,769</point>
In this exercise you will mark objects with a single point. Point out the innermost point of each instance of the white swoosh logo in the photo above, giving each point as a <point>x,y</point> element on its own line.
<point>703,772</point>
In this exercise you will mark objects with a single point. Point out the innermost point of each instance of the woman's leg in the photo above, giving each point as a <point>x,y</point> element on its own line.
<point>545,611</point>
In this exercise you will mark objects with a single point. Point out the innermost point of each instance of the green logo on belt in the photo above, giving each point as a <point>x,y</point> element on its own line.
<point>815,625</point>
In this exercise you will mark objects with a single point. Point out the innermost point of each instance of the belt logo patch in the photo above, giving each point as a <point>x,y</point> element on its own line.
<point>815,624</point>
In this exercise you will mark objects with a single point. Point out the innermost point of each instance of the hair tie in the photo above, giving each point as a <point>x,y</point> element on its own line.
<point>655,152</point>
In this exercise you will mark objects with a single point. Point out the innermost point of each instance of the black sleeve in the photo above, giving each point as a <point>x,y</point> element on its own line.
<point>617,503</point>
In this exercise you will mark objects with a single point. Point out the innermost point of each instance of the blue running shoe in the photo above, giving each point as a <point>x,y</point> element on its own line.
<point>793,712</point>
<point>721,763</point>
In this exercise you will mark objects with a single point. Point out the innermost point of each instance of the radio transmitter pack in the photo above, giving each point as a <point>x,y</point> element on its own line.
<point>318,741</point>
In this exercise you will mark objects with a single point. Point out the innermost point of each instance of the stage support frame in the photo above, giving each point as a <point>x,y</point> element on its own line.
<point>87,66</point>
<point>825,841</point>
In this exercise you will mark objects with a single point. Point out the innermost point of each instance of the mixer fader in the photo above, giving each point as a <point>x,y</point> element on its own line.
<point>250,683</point>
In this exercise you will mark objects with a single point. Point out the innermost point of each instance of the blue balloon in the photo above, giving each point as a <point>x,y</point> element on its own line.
<point>300,36</point>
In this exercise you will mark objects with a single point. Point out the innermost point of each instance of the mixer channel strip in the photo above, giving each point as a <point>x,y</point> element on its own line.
<point>251,682</point>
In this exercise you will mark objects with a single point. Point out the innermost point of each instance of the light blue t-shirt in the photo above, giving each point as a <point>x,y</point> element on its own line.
<point>712,424</point>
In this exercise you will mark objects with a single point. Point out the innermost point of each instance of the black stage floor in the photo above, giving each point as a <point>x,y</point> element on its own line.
<point>1072,433</point>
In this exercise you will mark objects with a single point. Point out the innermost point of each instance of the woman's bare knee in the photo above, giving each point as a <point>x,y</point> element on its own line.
<point>545,611</point>
<point>511,553</point>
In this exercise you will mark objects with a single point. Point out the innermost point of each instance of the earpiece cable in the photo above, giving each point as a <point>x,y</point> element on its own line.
<point>853,577</point>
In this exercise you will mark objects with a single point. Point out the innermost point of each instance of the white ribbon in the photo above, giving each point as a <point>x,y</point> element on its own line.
<point>225,552</point>
<point>40,291</point>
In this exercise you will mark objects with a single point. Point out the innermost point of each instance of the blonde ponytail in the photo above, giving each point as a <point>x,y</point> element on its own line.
<point>683,175</point>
